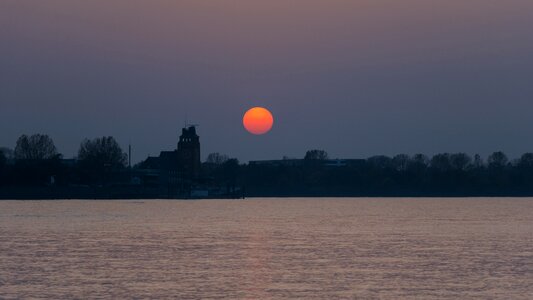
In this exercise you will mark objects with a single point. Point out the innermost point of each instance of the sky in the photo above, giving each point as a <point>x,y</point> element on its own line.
<point>356,78</point>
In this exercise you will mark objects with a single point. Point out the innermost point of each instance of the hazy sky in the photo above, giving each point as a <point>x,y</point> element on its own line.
<point>355,77</point>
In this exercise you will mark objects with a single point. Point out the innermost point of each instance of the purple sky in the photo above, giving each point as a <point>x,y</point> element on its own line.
<point>355,78</point>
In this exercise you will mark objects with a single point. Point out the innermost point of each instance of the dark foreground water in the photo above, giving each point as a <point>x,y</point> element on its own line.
<point>268,249</point>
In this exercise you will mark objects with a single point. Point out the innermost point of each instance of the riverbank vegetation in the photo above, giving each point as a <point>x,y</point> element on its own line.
<point>35,161</point>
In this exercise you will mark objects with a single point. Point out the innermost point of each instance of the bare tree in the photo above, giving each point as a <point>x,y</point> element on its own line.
<point>102,154</point>
<point>379,161</point>
<point>3,159</point>
<point>8,153</point>
<point>497,160</point>
<point>478,162</point>
<point>35,147</point>
<point>401,162</point>
<point>316,155</point>
<point>526,160</point>
<point>217,158</point>
<point>418,163</point>
<point>441,162</point>
<point>460,161</point>
<point>420,159</point>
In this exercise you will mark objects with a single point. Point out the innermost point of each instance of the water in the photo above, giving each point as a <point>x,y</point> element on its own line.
<point>268,249</point>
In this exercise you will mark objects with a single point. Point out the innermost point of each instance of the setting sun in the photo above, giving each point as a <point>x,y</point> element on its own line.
<point>258,120</point>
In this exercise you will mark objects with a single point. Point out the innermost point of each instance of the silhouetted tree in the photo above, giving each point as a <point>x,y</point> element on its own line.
<point>460,161</point>
<point>316,155</point>
<point>418,165</point>
<point>526,160</point>
<point>100,156</point>
<point>420,161</point>
<point>497,160</point>
<point>231,167</point>
<point>380,162</point>
<point>230,173</point>
<point>524,168</point>
<point>102,152</point>
<point>441,162</point>
<point>3,159</point>
<point>8,153</point>
<point>499,176</point>
<point>478,162</point>
<point>35,147</point>
<point>417,170</point>
<point>216,158</point>
<point>401,162</point>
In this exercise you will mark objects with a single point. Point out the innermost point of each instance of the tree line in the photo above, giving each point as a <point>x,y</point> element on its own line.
<point>444,174</point>
<point>36,161</point>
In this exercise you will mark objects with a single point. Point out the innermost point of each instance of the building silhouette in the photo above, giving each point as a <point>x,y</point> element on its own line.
<point>176,172</point>
<point>189,154</point>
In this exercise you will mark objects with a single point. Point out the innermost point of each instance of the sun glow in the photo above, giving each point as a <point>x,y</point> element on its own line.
<point>258,120</point>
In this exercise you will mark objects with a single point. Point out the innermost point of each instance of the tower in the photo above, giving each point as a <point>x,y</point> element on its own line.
<point>189,153</point>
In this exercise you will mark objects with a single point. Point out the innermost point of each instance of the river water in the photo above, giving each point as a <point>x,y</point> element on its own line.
<point>328,248</point>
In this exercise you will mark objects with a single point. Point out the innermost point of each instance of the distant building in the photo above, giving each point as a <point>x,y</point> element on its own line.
<point>189,153</point>
<point>178,169</point>
<point>277,162</point>
<point>301,162</point>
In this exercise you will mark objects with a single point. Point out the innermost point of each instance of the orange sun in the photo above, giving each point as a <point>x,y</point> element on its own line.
<point>258,120</point>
